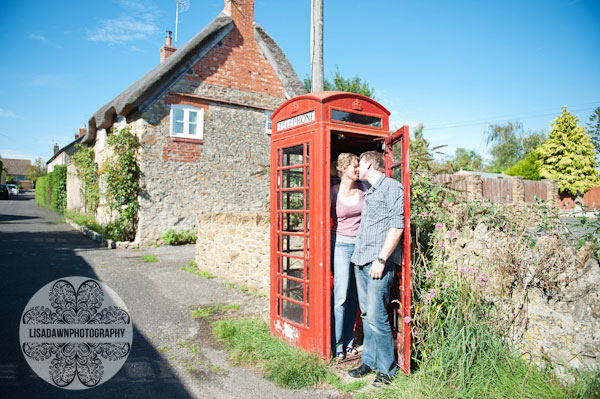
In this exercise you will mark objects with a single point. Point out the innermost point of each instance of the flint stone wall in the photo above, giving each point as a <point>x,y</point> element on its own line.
<point>235,247</point>
<point>230,173</point>
<point>564,328</point>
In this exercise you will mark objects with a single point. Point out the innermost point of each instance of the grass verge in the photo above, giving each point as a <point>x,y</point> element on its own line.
<point>85,220</point>
<point>191,267</point>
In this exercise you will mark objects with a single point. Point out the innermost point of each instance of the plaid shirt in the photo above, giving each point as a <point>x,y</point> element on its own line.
<point>382,210</point>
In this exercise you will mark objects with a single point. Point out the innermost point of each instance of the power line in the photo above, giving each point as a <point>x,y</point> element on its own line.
<point>508,117</point>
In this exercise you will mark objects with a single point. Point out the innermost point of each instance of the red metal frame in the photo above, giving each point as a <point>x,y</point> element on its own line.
<point>306,121</point>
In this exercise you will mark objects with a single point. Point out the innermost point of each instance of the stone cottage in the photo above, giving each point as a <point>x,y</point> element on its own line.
<point>203,120</point>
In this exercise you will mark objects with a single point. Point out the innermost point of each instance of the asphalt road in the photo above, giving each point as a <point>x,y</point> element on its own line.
<point>173,355</point>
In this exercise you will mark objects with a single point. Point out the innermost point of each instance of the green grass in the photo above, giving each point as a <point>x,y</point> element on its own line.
<point>191,267</point>
<point>207,312</point>
<point>86,220</point>
<point>149,258</point>
<point>250,343</point>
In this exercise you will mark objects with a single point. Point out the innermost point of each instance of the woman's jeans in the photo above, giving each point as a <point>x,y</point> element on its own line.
<point>345,299</point>
<point>373,296</point>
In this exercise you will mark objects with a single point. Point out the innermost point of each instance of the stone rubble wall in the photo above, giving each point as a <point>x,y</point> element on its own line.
<point>231,173</point>
<point>235,247</point>
<point>564,327</point>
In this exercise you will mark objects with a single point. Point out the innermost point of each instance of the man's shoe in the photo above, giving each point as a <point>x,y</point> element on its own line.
<point>360,371</point>
<point>382,379</point>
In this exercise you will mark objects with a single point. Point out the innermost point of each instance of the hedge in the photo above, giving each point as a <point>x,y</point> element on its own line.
<point>51,190</point>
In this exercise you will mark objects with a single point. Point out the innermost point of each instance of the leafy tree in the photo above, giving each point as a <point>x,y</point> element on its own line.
<point>36,170</point>
<point>510,144</point>
<point>528,167</point>
<point>594,130</point>
<point>568,156</point>
<point>354,85</point>
<point>465,160</point>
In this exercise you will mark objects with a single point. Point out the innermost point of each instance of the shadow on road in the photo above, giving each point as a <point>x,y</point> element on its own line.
<point>41,252</point>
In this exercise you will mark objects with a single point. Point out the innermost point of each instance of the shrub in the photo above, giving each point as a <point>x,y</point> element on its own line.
<point>174,237</point>
<point>43,194</point>
<point>58,183</point>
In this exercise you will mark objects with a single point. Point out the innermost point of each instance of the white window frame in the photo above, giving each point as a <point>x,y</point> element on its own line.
<point>186,122</point>
<point>268,127</point>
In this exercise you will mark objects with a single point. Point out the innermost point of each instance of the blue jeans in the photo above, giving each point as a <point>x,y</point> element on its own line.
<point>373,297</point>
<point>345,300</point>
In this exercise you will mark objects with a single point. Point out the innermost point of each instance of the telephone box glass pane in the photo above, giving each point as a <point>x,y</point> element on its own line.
<point>293,222</point>
<point>292,200</point>
<point>293,290</point>
<point>293,178</point>
<point>293,267</point>
<point>293,156</point>
<point>293,245</point>
<point>343,116</point>
<point>293,312</point>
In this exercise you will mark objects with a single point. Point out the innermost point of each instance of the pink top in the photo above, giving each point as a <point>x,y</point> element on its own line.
<point>346,218</point>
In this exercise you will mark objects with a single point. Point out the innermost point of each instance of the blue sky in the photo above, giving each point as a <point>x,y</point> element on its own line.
<point>455,66</point>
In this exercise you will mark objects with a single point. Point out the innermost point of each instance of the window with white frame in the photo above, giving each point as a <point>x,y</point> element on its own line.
<point>187,121</point>
<point>268,121</point>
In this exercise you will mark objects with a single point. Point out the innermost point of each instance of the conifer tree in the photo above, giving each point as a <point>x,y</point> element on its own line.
<point>569,155</point>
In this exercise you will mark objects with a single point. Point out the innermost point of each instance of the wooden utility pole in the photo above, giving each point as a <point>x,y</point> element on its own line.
<point>316,45</point>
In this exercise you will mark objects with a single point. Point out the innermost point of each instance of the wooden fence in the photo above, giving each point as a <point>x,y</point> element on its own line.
<point>501,189</point>
<point>591,199</point>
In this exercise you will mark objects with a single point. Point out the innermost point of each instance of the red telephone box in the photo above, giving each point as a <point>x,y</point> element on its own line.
<point>308,133</point>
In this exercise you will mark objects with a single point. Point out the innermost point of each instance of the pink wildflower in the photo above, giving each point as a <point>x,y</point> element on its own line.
<point>445,285</point>
<point>482,279</point>
<point>425,213</point>
<point>462,270</point>
<point>407,319</point>
<point>471,270</point>
<point>445,203</point>
<point>439,226</point>
<point>427,297</point>
<point>433,292</point>
<point>479,196</point>
<point>428,275</point>
<point>441,244</point>
<point>452,234</point>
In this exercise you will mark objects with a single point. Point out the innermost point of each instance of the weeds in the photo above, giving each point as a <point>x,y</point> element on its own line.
<point>149,258</point>
<point>208,311</point>
<point>191,267</point>
<point>174,237</point>
<point>87,221</point>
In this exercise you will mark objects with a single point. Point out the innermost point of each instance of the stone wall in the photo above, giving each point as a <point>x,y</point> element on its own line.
<point>235,247</point>
<point>561,325</point>
<point>226,172</point>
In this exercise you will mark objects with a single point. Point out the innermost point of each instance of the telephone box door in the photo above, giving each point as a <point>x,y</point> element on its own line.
<point>293,245</point>
<point>401,292</point>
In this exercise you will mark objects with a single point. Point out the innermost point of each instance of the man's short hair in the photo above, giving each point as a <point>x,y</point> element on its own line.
<point>376,159</point>
<point>344,160</point>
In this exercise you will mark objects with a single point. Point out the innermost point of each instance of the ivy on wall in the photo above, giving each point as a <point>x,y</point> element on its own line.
<point>122,175</point>
<point>87,171</point>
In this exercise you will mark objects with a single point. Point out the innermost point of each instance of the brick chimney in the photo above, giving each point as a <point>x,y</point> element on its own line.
<point>56,149</point>
<point>167,49</point>
<point>82,132</point>
<point>242,12</point>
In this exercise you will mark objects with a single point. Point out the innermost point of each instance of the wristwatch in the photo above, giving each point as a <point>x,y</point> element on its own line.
<point>381,260</point>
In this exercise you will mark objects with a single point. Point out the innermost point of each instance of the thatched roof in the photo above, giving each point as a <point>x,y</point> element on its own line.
<point>152,85</point>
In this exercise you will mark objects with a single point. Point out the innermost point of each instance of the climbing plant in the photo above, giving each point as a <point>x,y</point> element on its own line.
<point>122,175</point>
<point>87,171</point>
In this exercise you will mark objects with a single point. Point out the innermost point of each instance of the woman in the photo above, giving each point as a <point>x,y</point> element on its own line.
<point>347,199</point>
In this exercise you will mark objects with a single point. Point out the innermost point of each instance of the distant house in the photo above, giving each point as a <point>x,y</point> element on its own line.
<point>62,156</point>
<point>18,169</point>
<point>203,119</point>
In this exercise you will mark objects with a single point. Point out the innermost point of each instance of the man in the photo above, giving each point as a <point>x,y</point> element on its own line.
<point>375,256</point>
